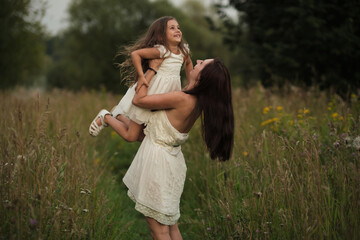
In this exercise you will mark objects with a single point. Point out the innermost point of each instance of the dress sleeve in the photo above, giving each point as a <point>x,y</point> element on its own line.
<point>163,51</point>
<point>187,47</point>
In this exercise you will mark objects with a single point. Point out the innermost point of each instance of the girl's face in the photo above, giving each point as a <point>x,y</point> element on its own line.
<point>173,32</point>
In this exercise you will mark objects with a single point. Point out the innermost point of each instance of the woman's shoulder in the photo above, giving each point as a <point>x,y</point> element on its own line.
<point>181,97</point>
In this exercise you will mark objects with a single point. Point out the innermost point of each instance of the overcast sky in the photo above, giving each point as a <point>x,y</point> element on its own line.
<point>55,17</point>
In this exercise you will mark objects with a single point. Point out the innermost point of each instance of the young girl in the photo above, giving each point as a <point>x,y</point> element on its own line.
<point>162,40</point>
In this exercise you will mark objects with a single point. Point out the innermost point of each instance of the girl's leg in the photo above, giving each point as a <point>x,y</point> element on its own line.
<point>119,117</point>
<point>175,232</point>
<point>158,230</point>
<point>123,119</point>
<point>130,132</point>
<point>127,122</point>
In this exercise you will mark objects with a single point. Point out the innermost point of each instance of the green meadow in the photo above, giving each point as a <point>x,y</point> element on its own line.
<point>294,172</point>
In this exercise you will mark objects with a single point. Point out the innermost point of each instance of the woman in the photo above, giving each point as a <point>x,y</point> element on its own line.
<point>156,176</point>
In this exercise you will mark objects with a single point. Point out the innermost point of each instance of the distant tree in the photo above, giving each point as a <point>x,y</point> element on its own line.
<point>304,42</point>
<point>84,54</point>
<point>21,42</point>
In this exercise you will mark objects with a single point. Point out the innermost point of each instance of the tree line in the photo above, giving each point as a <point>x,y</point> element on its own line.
<point>305,43</point>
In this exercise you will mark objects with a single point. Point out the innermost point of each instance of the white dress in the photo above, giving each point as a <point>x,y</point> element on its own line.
<point>166,80</point>
<point>156,176</point>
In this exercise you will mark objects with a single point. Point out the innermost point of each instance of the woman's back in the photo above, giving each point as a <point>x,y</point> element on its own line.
<point>183,116</point>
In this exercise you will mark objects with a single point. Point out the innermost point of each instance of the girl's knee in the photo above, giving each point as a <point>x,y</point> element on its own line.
<point>131,138</point>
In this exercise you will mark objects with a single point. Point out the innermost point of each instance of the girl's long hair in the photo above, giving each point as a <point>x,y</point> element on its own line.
<point>214,103</point>
<point>156,35</point>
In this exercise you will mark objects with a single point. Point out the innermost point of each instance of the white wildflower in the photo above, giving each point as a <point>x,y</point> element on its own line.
<point>356,143</point>
<point>347,140</point>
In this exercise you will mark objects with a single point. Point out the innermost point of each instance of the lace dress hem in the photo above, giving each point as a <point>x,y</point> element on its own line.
<point>148,212</point>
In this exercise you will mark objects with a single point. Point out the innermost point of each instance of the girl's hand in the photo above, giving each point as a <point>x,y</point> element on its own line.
<point>155,63</point>
<point>140,82</point>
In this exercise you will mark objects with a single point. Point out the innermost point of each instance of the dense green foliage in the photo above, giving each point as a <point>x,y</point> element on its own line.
<point>21,43</point>
<point>299,42</point>
<point>304,42</point>
<point>84,53</point>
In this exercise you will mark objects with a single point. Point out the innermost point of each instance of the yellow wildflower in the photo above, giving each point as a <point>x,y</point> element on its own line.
<point>97,161</point>
<point>265,122</point>
<point>334,115</point>
<point>279,108</point>
<point>245,153</point>
<point>353,97</point>
<point>270,121</point>
<point>306,111</point>
<point>341,118</point>
<point>299,116</point>
<point>329,108</point>
<point>266,110</point>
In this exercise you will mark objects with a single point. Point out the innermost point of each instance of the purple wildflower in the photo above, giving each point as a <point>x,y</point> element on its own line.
<point>32,223</point>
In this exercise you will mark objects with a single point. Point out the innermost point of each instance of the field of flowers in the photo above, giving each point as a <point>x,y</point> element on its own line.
<point>294,172</point>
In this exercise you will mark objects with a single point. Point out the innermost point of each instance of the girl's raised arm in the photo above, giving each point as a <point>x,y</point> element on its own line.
<point>136,56</point>
<point>188,67</point>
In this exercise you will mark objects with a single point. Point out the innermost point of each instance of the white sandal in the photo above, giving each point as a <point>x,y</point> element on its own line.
<point>94,128</point>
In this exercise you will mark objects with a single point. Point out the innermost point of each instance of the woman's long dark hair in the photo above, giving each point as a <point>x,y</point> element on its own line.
<point>214,102</point>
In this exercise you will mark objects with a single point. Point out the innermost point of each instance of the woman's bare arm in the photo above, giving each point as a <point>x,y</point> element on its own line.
<point>156,101</point>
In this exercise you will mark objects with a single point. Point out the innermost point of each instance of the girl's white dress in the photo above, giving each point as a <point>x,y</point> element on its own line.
<point>166,80</point>
<point>156,176</point>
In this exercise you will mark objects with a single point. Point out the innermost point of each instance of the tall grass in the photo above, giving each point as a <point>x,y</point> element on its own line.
<point>52,184</point>
<point>294,173</point>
